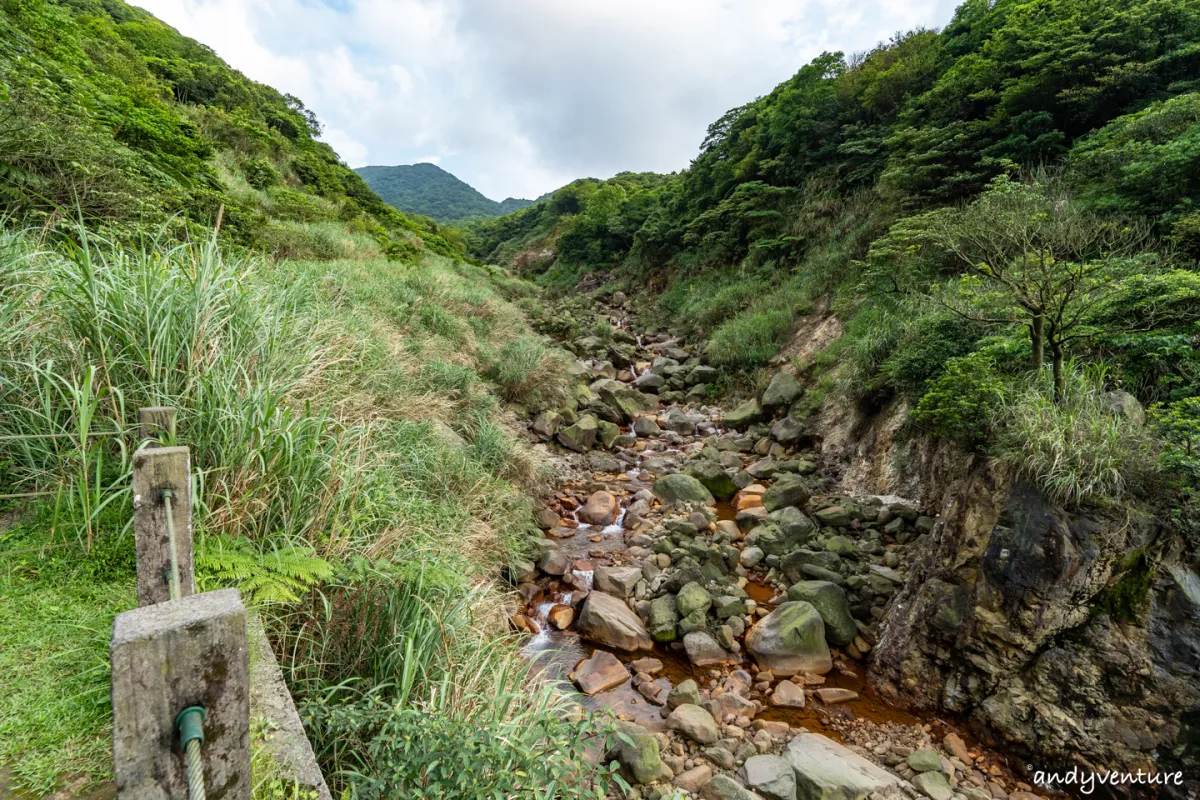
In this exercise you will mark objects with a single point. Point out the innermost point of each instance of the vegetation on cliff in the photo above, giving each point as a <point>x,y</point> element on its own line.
<point>1017,189</point>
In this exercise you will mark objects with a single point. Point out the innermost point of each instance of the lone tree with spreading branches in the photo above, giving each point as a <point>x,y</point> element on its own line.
<point>1034,256</point>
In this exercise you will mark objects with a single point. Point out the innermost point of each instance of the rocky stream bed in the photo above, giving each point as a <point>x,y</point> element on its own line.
<point>699,578</point>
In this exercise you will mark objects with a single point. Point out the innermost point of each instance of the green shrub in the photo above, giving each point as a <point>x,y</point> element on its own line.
<point>1178,425</point>
<point>526,371</point>
<point>926,347</point>
<point>532,750</point>
<point>961,402</point>
<point>260,173</point>
<point>322,241</point>
<point>1075,449</point>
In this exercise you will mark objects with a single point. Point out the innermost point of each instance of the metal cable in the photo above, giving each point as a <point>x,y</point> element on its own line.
<point>167,496</point>
<point>195,771</point>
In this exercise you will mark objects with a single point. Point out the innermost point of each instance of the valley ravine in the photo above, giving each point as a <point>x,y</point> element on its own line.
<point>707,587</point>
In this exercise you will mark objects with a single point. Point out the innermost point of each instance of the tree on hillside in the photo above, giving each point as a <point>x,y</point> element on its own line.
<point>1034,256</point>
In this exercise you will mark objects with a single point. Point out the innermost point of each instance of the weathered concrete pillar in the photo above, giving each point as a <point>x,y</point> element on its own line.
<point>156,422</point>
<point>165,658</point>
<point>155,471</point>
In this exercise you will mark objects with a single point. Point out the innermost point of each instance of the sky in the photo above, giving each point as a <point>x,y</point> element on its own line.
<point>519,97</point>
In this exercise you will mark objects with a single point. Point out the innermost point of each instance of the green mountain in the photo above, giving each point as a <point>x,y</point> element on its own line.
<point>430,191</point>
<point>109,114</point>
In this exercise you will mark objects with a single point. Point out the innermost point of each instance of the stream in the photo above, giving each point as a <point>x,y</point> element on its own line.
<point>628,536</point>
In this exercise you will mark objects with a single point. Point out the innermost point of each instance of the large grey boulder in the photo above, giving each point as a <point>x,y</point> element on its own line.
<point>695,723</point>
<point>744,416</point>
<point>680,489</point>
<point>825,770</point>
<point>678,421</point>
<point>788,490</point>
<point>791,640</point>
<point>625,401</point>
<point>830,601</point>
<point>723,787</point>
<point>619,581</point>
<point>581,436</point>
<point>704,651</point>
<point>783,390</point>
<point>607,620</point>
<point>770,776</point>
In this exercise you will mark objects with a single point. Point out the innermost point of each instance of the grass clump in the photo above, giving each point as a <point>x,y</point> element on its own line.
<point>1075,449</point>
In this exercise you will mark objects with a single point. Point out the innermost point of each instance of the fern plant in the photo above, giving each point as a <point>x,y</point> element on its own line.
<point>278,576</point>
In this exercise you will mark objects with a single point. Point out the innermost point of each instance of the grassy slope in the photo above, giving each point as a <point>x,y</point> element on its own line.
<point>309,413</point>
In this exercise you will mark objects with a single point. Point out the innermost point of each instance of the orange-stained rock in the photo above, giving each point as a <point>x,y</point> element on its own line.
<point>561,616</point>
<point>601,509</point>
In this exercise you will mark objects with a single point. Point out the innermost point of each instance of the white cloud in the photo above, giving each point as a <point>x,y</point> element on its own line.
<point>518,97</point>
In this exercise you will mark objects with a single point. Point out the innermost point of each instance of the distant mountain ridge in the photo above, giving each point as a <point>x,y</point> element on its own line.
<point>429,190</point>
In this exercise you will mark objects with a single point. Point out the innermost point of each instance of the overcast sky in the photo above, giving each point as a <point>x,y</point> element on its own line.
<point>518,97</point>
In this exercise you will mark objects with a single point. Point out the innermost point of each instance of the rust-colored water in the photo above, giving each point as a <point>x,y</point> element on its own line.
<point>759,592</point>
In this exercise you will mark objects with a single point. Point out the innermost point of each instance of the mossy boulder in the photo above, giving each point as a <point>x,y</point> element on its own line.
<point>830,601</point>
<point>679,489</point>
<point>663,619</point>
<point>791,640</point>
<point>788,490</point>
<point>692,598</point>
<point>714,477</point>
<point>581,436</point>
<point>783,390</point>
<point>637,753</point>
<point>744,416</point>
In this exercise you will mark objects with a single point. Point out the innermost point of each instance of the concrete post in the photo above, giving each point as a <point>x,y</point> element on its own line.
<point>156,422</point>
<point>165,658</point>
<point>156,470</point>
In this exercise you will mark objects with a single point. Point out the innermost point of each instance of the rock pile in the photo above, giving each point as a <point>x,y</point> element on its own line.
<point>711,537</point>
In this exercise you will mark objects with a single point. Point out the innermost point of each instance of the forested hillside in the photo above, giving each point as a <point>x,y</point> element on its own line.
<point>110,115</point>
<point>824,182</point>
<point>430,191</point>
<point>172,233</point>
<point>1018,188</point>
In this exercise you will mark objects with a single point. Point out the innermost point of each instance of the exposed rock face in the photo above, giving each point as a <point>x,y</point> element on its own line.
<point>1005,617</point>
